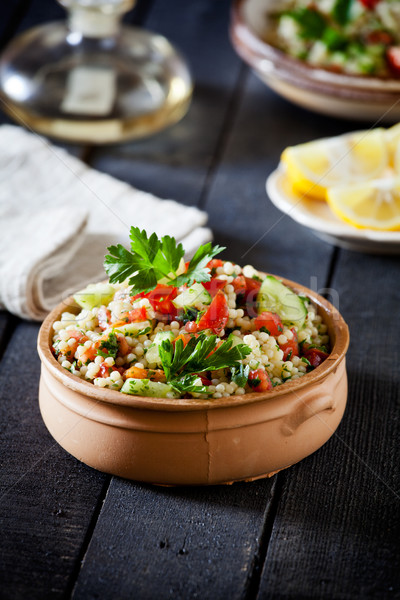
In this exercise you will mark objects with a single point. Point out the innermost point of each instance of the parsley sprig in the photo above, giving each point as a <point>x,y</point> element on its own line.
<point>182,363</point>
<point>151,260</point>
<point>109,347</point>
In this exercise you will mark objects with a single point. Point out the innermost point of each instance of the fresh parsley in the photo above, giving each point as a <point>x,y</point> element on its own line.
<point>200,354</point>
<point>240,374</point>
<point>109,347</point>
<point>188,313</point>
<point>187,383</point>
<point>341,11</point>
<point>311,22</point>
<point>151,260</point>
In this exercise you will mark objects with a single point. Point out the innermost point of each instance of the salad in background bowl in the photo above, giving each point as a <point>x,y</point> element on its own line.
<point>337,57</point>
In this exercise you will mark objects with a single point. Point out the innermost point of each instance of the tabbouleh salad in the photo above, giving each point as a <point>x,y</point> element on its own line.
<point>359,37</point>
<point>201,329</point>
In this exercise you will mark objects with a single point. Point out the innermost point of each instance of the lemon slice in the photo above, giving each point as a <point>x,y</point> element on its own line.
<point>392,137</point>
<point>372,205</point>
<point>314,167</point>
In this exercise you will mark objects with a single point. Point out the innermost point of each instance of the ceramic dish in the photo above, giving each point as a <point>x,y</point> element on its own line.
<point>361,98</point>
<point>318,217</point>
<point>195,442</point>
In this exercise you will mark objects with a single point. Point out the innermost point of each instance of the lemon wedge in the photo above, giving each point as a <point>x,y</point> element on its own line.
<point>314,167</point>
<point>372,205</point>
<point>392,137</point>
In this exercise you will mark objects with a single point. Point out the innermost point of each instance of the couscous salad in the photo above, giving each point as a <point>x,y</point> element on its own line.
<point>207,328</point>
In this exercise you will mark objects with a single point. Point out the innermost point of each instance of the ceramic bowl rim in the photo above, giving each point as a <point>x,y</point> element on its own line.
<point>253,49</point>
<point>114,397</point>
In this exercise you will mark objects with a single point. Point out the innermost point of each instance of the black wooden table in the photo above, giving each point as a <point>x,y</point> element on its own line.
<point>326,528</point>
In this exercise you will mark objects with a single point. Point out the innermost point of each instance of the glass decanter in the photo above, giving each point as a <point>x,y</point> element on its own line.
<point>93,80</point>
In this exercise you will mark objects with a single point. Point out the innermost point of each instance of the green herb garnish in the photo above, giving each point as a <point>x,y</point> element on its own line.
<point>109,347</point>
<point>240,374</point>
<point>152,260</point>
<point>200,354</point>
<point>311,22</point>
<point>341,11</point>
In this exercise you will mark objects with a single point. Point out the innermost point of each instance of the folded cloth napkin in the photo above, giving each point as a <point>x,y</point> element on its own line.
<point>57,216</point>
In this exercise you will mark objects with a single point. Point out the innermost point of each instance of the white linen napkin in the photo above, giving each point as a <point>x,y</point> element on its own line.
<point>57,216</point>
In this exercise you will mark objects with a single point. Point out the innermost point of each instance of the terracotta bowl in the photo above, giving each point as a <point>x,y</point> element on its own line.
<point>347,96</point>
<point>195,442</point>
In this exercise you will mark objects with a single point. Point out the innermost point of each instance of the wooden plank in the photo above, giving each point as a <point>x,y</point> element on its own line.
<point>174,543</point>
<point>47,497</point>
<point>241,215</point>
<point>337,527</point>
<point>175,163</point>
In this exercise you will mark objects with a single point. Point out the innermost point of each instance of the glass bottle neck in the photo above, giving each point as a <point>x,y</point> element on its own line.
<point>93,23</point>
<point>96,18</point>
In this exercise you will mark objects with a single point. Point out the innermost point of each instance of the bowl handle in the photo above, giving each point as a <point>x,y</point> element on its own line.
<point>310,405</point>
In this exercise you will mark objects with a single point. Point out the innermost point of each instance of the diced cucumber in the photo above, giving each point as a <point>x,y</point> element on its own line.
<point>95,294</point>
<point>145,387</point>
<point>236,340</point>
<point>193,295</point>
<point>133,329</point>
<point>164,335</point>
<point>152,354</point>
<point>276,297</point>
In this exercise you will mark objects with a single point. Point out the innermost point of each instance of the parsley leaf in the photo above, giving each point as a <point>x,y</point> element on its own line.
<point>187,383</point>
<point>240,374</point>
<point>200,354</point>
<point>152,259</point>
<point>109,347</point>
<point>341,11</point>
<point>311,22</point>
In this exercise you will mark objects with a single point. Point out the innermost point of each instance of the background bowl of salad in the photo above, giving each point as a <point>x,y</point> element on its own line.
<point>195,441</point>
<point>337,57</point>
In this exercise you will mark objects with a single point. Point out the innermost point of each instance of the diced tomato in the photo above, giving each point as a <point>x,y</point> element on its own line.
<point>104,370</point>
<point>213,286</point>
<point>269,321</point>
<point>89,354</point>
<point>259,381</point>
<point>214,263</point>
<point>191,327</point>
<point>161,300</point>
<point>185,337</point>
<point>133,316</point>
<point>157,375</point>
<point>291,347</point>
<point>250,295</point>
<point>239,285</point>
<point>204,380</point>
<point>216,316</point>
<point>77,335</point>
<point>393,58</point>
<point>380,37</point>
<point>104,317</point>
<point>370,4</point>
<point>138,296</point>
<point>137,314</point>
<point>136,373</point>
<point>124,347</point>
<point>139,373</point>
<point>315,356</point>
<point>119,323</point>
<point>252,286</point>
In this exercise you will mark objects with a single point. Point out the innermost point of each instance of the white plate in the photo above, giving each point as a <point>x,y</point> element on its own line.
<point>317,216</point>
